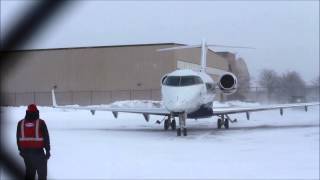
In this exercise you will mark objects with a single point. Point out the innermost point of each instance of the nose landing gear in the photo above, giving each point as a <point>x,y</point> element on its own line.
<point>182,124</point>
<point>173,124</point>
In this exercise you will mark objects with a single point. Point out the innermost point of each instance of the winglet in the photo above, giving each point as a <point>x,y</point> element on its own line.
<point>54,101</point>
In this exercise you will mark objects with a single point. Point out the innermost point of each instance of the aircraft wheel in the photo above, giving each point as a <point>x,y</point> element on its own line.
<point>184,131</point>
<point>219,123</point>
<point>173,125</point>
<point>166,124</point>
<point>226,124</point>
<point>179,132</point>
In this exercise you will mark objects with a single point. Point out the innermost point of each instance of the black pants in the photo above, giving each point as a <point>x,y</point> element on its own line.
<point>35,162</point>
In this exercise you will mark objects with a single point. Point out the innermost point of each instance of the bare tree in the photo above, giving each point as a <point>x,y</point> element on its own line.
<point>293,87</point>
<point>270,80</point>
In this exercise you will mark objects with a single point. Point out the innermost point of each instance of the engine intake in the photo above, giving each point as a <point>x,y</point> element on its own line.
<point>228,83</point>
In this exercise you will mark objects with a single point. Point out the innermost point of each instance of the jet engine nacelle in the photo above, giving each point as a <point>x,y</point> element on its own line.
<point>228,83</point>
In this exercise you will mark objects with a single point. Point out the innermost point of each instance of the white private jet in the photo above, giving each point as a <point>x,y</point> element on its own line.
<point>189,94</point>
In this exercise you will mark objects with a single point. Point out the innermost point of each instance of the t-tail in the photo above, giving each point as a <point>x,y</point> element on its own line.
<point>204,48</point>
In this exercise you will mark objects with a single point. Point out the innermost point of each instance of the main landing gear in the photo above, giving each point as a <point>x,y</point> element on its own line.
<point>182,124</point>
<point>224,121</point>
<point>170,122</point>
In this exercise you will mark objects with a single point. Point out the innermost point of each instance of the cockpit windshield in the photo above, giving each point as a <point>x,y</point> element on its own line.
<point>182,80</point>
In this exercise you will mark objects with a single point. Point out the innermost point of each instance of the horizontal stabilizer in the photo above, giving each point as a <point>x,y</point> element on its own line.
<point>178,47</point>
<point>199,45</point>
<point>217,45</point>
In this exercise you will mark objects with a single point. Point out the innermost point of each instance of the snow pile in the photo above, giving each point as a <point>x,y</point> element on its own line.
<point>234,104</point>
<point>128,104</point>
<point>137,104</point>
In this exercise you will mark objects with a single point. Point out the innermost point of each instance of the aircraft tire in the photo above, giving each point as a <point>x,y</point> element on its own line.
<point>166,124</point>
<point>178,132</point>
<point>173,125</point>
<point>184,131</point>
<point>226,124</point>
<point>219,123</point>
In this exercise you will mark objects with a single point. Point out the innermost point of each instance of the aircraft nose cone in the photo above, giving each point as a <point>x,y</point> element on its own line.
<point>181,101</point>
<point>176,109</point>
<point>178,105</point>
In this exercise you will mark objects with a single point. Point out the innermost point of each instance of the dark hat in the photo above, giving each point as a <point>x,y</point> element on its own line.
<point>32,108</point>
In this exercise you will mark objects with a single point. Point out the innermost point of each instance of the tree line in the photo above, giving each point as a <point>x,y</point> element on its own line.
<point>289,85</point>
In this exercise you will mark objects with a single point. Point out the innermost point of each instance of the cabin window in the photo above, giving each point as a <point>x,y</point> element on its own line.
<point>172,81</point>
<point>190,80</point>
<point>163,79</point>
<point>182,80</point>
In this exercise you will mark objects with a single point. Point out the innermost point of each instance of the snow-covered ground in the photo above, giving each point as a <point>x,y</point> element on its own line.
<point>101,147</point>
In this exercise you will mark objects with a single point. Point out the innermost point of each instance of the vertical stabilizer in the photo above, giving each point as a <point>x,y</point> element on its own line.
<point>204,49</point>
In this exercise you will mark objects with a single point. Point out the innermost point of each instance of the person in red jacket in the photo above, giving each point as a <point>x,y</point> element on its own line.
<point>32,139</point>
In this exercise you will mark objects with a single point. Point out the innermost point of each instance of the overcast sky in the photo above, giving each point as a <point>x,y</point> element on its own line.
<point>285,34</point>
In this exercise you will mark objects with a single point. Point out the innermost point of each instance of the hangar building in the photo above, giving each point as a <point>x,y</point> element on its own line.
<point>99,75</point>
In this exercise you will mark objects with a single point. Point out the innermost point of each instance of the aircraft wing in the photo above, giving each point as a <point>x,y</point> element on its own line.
<point>153,111</point>
<point>234,110</point>
<point>115,110</point>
